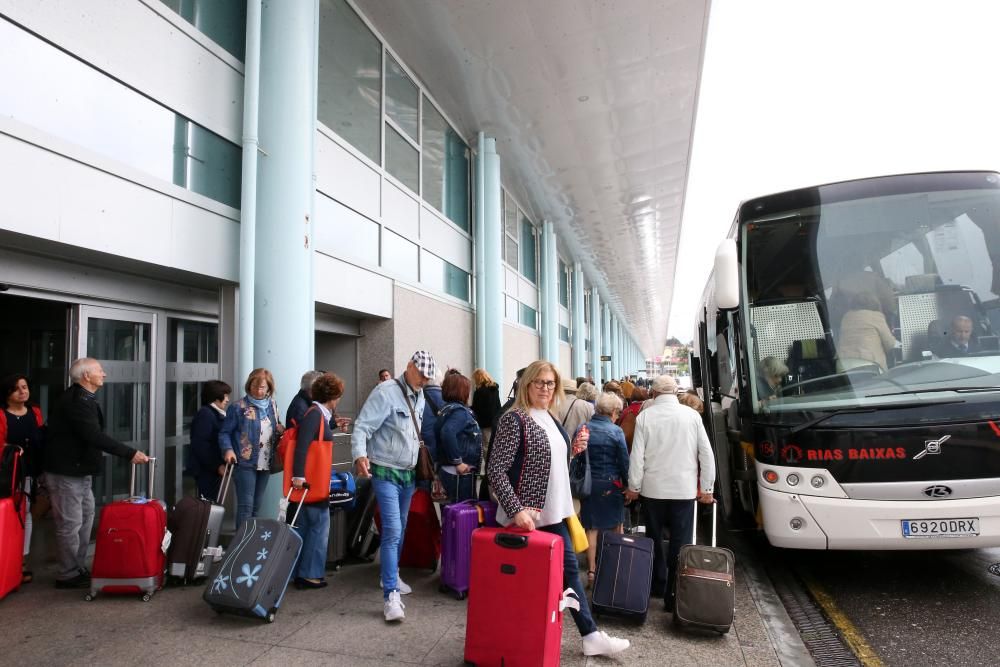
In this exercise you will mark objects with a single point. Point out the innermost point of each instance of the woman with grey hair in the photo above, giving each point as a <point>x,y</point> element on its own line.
<point>587,392</point>
<point>604,508</point>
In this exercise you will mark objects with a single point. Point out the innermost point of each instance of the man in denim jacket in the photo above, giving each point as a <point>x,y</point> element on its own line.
<point>384,446</point>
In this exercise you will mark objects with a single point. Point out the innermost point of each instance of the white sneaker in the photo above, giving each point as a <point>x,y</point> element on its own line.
<point>404,588</point>
<point>393,608</point>
<point>599,643</point>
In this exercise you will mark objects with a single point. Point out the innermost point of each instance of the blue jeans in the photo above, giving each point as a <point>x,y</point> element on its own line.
<point>250,486</point>
<point>458,487</point>
<point>676,519</point>
<point>313,526</point>
<point>571,579</point>
<point>394,506</point>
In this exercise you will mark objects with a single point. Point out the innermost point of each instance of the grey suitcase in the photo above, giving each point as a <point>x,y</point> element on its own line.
<point>363,535</point>
<point>706,586</point>
<point>197,525</point>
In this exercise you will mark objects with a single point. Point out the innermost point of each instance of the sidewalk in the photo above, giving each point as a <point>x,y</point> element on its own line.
<point>341,625</point>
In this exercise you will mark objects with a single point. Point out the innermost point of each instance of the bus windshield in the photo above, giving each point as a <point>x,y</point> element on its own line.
<point>873,300</point>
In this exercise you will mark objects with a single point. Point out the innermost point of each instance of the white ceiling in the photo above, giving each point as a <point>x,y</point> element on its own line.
<point>592,103</point>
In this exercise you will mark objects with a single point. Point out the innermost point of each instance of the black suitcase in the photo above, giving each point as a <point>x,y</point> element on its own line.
<point>706,586</point>
<point>623,575</point>
<point>336,546</point>
<point>195,525</point>
<point>363,537</point>
<point>252,578</point>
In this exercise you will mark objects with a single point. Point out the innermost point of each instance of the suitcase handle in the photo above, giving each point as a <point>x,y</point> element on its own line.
<point>227,477</point>
<point>152,476</point>
<point>511,540</point>
<point>298,506</point>
<point>694,524</point>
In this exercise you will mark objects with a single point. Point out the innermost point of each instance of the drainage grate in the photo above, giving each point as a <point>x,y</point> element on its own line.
<point>821,638</point>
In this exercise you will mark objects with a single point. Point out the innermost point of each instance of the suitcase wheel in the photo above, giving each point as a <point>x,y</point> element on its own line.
<point>89,597</point>
<point>270,617</point>
<point>146,597</point>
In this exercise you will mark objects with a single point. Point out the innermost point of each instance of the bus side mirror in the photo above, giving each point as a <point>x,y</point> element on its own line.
<point>727,276</point>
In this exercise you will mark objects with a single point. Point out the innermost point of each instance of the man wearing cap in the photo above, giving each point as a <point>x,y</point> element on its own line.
<point>669,449</point>
<point>384,446</point>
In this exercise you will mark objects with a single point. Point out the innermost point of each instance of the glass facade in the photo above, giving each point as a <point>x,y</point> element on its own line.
<point>401,98</point>
<point>529,317</point>
<point>529,259</point>
<point>446,167</point>
<point>222,21</point>
<point>401,159</point>
<point>350,78</point>
<point>444,276</point>
<point>563,284</point>
<point>57,94</point>
<point>563,333</point>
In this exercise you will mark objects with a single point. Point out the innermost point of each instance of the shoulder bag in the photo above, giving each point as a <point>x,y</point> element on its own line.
<point>425,467</point>
<point>579,476</point>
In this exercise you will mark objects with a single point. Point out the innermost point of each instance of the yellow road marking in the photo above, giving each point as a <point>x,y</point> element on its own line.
<point>866,654</point>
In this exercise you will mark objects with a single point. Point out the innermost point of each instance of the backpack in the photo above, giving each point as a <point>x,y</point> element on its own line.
<point>442,416</point>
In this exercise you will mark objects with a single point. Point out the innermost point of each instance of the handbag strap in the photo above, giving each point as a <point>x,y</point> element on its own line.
<point>568,410</point>
<point>413,416</point>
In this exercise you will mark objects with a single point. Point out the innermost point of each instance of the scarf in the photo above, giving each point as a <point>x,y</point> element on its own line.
<point>259,403</point>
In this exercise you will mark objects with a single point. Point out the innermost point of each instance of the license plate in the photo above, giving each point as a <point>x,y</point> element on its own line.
<point>968,527</point>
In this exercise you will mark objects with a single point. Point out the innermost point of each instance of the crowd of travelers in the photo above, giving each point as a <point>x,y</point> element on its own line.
<point>644,443</point>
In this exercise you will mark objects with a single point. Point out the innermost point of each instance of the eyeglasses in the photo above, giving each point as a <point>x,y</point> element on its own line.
<point>544,384</point>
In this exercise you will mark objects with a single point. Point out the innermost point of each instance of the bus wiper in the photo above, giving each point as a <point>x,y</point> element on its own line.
<point>959,390</point>
<point>874,408</point>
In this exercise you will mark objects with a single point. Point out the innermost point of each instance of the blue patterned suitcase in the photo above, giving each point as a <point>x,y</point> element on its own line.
<point>252,578</point>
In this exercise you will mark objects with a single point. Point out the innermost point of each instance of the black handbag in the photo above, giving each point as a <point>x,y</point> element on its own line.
<point>579,476</point>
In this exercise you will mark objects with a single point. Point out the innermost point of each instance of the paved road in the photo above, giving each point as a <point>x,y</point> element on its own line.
<point>914,608</point>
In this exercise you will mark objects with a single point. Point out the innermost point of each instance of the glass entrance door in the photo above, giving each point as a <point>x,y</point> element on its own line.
<point>122,340</point>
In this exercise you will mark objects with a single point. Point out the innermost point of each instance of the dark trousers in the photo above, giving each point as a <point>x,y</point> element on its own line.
<point>571,579</point>
<point>676,519</point>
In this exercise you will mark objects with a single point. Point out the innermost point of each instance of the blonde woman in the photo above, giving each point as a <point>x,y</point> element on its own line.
<point>529,473</point>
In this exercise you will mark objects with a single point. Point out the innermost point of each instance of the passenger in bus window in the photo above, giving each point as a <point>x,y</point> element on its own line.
<point>960,341</point>
<point>865,337</point>
<point>770,372</point>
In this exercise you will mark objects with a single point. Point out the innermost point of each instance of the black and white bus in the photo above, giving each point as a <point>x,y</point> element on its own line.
<point>848,356</point>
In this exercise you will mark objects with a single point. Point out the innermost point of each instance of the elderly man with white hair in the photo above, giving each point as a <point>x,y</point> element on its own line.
<point>669,448</point>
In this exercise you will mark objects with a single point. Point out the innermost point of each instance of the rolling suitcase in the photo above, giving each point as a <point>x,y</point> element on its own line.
<point>12,514</point>
<point>422,540</point>
<point>252,578</point>
<point>514,617</point>
<point>336,546</point>
<point>195,525</point>
<point>458,521</point>
<point>132,541</point>
<point>623,575</point>
<point>362,535</point>
<point>706,591</point>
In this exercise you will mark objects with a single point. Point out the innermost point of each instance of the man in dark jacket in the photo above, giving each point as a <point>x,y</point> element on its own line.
<point>302,400</point>
<point>74,453</point>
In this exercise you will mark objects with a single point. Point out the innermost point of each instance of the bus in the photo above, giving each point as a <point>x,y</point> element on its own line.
<point>848,357</point>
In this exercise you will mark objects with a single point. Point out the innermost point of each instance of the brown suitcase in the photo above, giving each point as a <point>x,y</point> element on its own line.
<point>706,586</point>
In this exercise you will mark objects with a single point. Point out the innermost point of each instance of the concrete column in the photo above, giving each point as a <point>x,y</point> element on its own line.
<point>616,360</point>
<point>579,348</point>
<point>595,335</point>
<point>492,310</point>
<point>479,239</point>
<point>605,343</point>
<point>549,281</point>
<point>284,308</point>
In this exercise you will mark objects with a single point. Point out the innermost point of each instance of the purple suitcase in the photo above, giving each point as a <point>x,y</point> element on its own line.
<point>458,521</point>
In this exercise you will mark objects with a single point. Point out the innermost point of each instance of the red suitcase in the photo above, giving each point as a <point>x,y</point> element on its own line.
<point>515,589</point>
<point>130,555</point>
<point>422,541</point>
<point>12,513</point>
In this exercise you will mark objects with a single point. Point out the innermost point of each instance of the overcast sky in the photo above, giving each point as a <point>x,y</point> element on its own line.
<point>803,92</point>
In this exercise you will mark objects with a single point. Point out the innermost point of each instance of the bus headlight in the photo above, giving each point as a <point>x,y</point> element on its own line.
<point>817,481</point>
<point>793,479</point>
<point>770,477</point>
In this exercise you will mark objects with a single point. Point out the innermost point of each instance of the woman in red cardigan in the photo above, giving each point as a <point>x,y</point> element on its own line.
<point>21,424</point>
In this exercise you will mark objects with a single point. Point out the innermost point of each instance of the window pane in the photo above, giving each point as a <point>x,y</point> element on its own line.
<point>446,167</point>
<point>510,252</point>
<point>399,255</point>
<point>402,159</point>
<point>528,249</point>
<point>401,98</point>
<point>456,282</point>
<point>509,215</point>
<point>529,317</point>
<point>350,78</point>
<point>563,333</point>
<point>192,342</point>
<point>223,21</point>
<point>58,94</point>
<point>563,285</point>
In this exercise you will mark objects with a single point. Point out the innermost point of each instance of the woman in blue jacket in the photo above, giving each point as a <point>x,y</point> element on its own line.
<point>459,440</point>
<point>604,508</point>
<point>248,437</point>
<point>205,463</point>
